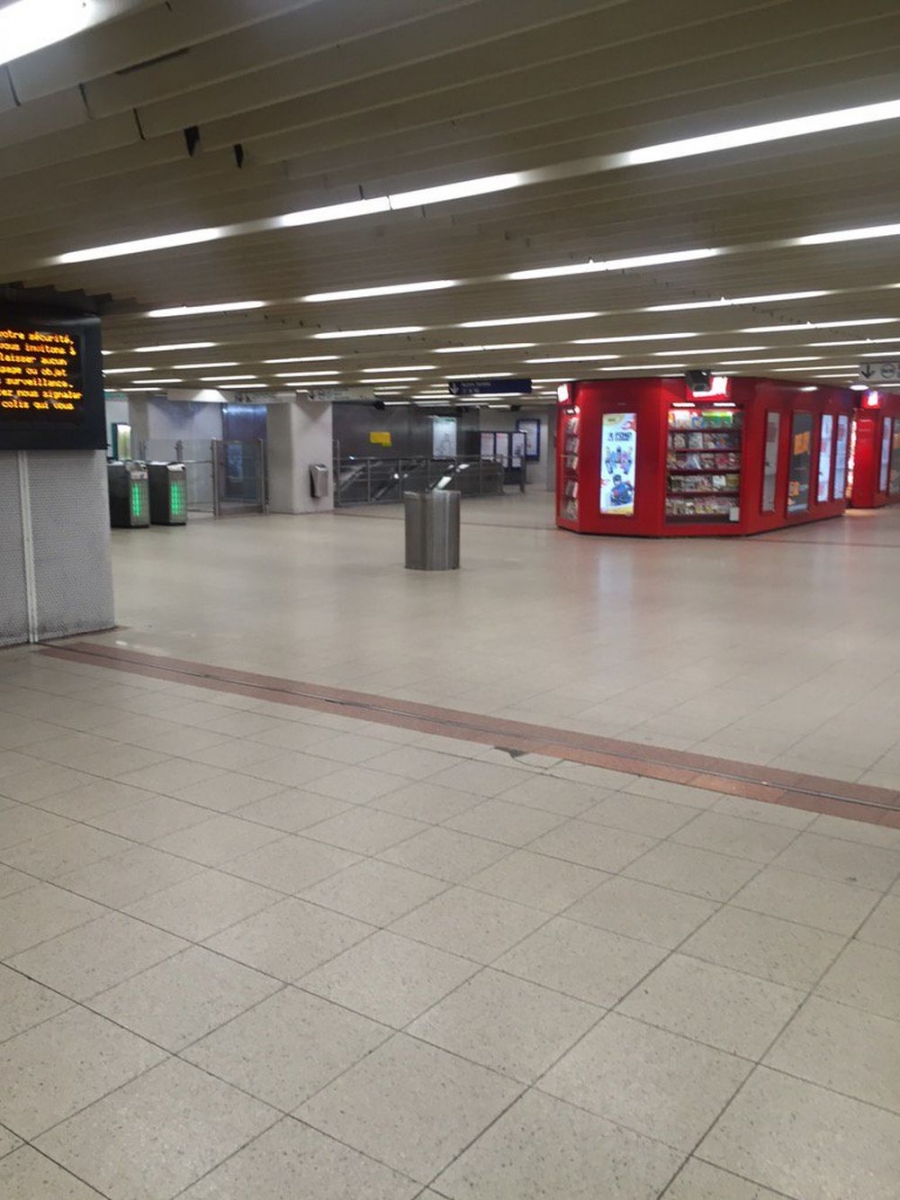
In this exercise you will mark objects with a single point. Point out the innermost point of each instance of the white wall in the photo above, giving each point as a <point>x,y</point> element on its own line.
<point>299,434</point>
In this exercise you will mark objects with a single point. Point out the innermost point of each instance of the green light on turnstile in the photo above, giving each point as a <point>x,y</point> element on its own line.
<point>177,500</point>
<point>137,501</point>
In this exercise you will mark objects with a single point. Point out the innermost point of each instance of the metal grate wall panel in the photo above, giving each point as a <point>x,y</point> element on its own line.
<point>13,597</point>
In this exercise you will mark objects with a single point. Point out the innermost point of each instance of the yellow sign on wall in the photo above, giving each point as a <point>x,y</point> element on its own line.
<point>380,438</point>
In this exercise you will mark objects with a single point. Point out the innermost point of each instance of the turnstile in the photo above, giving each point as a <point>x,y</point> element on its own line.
<point>129,498</point>
<point>168,493</point>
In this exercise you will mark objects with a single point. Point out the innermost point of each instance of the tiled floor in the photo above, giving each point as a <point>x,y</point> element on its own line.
<point>252,951</point>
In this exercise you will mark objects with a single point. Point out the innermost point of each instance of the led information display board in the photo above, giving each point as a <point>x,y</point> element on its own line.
<point>51,383</point>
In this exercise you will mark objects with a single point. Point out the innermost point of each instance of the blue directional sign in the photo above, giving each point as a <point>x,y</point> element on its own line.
<point>489,387</point>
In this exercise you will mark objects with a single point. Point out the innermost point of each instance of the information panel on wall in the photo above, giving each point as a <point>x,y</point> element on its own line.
<point>800,463</point>
<point>51,383</point>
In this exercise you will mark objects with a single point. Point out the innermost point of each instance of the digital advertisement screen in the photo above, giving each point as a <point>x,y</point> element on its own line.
<point>618,454</point>
<point>51,383</point>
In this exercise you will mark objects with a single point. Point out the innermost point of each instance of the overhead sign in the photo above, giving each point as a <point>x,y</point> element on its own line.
<point>489,387</point>
<point>51,391</point>
<point>882,372</point>
<point>329,395</point>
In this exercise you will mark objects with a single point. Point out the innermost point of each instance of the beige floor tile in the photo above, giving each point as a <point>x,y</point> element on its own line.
<point>883,926</point>
<point>724,834</point>
<point>543,1148</point>
<point>591,845</point>
<point>589,964</point>
<point>511,824</point>
<point>289,939</point>
<point>480,778</point>
<point>193,1122</point>
<point>849,862</point>
<point>808,899</point>
<point>150,819</point>
<point>554,795</point>
<point>472,924</point>
<point>217,840</point>
<point>291,810</point>
<point>549,884</point>
<point>290,769</point>
<point>95,956</point>
<point>508,1024</point>
<point>356,785</point>
<point>856,831</point>
<point>722,1008</point>
<point>802,1140</point>
<point>353,748</point>
<point>641,814</point>
<point>412,762</point>
<point>203,904</point>
<point>56,1068</point>
<point>169,776</point>
<point>760,810</point>
<point>425,801</point>
<point>38,785</point>
<point>37,913</point>
<point>648,1080</point>
<point>365,830</point>
<point>93,799</point>
<point>227,791</point>
<point>24,1003</point>
<point>699,1181</point>
<point>446,854</point>
<point>287,1048</point>
<point>292,1160</point>
<point>413,1106</point>
<point>128,877</point>
<point>389,978</point>
<point>843,1049</point>
<point>374,891</point>
<point>640,910</point>
<point>26,1173</point>
<point>780,951</point>
<point>182,999</point>
<point>696,872</point>
<point>24,823</point>
<point>54,854</point>
<point>13,881</point>
<point>677,793</point>
<point>290,735</point>
<point>232,755</point>
<point>866,977</point>
<point>291,864</point>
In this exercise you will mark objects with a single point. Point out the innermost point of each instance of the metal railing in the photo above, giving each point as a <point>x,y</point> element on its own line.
<point>384,480</point>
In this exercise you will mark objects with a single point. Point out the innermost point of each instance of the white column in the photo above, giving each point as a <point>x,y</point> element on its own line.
<point>299,434</point>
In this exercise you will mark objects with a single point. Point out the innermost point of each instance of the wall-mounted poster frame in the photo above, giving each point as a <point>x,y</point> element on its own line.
<point>518,448</point>
<point>488,449</point>
<point>531,427</point>
<point>840,457</point>
<point>443,436</point>
<point>501,448</point>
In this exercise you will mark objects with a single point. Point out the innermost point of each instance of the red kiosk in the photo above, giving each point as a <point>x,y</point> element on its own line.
<point>707,455</point>
<point>874,472</point>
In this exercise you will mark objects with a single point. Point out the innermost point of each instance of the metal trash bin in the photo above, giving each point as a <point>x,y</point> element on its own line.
<point>168,493</point>
<point>129,500</point>
<point>318,480</point>
<point>432,530</point>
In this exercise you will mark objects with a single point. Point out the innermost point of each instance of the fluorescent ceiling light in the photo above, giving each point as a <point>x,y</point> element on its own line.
<point>615,264</point>
<point>647,367</point>
<point>713,350</point>
<point>306,383</point>
<point>31,25</point>
<point>847,235</point>
<point>632,337</point>
<point>480,375</point>
<point>195,310</point>
<point>771,131</point>
<point>244,387</point>
<point>166,241</point>
<point>332,212</point>
<point>396,289</point>
<point>125,370</point>
<point>820,325</point>
<point>358,333</point>
<point>305,359</point>
<point>198,366</point>
<point>463,190</point>
<point>881,353</point>
<point>773,298</point>
<point>138,389</point>
<point>751,362</point>
<point>223,378</point>
<point>572,316</point>
<point>482,349</point>
<point>574,358</point>
<point>400,379</point>
<point>387,370</point>
<point>162,381</point>
<point>175,346</point>
<point>294,374</point>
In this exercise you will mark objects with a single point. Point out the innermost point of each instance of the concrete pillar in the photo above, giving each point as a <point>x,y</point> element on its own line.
<point>300,434</point>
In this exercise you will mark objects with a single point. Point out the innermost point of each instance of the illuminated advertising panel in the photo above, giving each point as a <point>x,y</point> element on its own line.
<point>618,453</point>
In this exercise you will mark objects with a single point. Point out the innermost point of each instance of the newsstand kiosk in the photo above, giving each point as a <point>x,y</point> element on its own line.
<point>874,471</point>
<point>714,456</point>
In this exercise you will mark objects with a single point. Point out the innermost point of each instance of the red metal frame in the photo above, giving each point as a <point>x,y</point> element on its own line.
<point>651,400</point>
<point>877,416</point>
